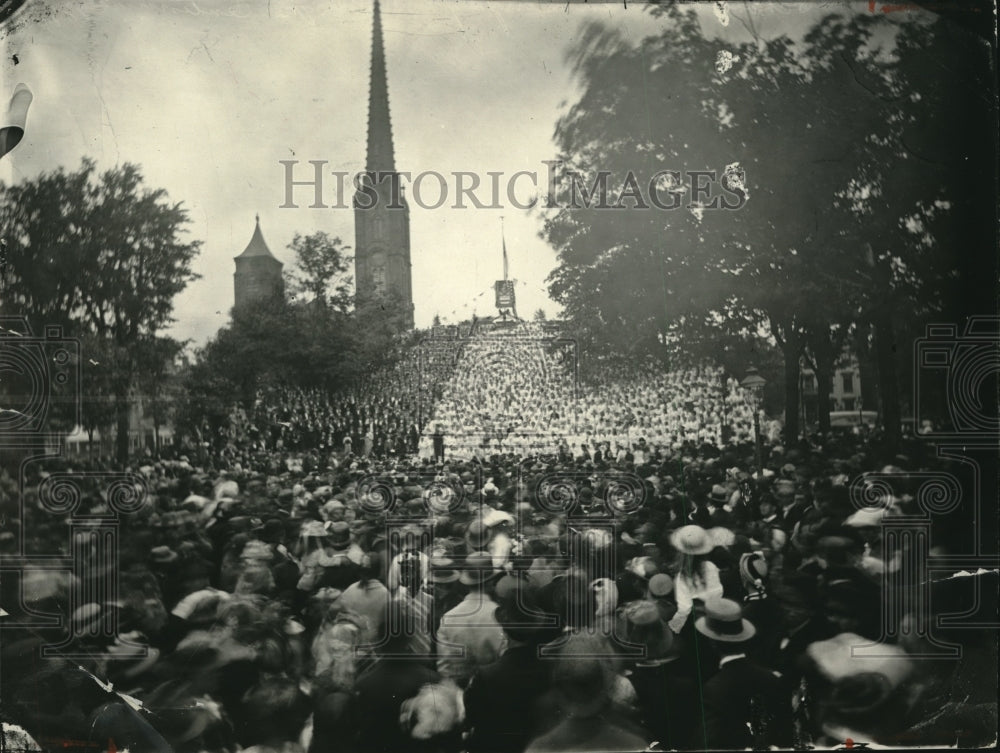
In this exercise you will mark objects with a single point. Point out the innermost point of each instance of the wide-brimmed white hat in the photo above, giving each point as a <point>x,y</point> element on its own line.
<point>692,539</point>
<point>723,621</point>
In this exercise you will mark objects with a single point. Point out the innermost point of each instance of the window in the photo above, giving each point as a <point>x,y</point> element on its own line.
<point>848,378</point>
<point>378,278</point>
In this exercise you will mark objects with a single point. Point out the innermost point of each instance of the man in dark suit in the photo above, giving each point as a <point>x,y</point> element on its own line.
<point>502,703</point>
<point>437,438</point>
<point>744,705</point>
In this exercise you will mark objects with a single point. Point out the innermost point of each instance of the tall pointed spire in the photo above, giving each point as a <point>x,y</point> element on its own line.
<point>381,157</point>
<point>381,215</point>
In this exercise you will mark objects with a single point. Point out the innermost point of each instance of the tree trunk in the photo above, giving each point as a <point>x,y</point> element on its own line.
<point>888,386</point>
<point>867,372</point>
<point>791,350</point>
<point>824,386</point>
<point>122,433</point>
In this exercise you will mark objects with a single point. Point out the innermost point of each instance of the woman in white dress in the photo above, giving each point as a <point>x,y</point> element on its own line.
<point>697,578</point>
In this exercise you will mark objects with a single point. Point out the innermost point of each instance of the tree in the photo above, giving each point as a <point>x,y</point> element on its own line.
<point>97,403</point>
<point>101,255</point>
<point>157,380</point>
<point>628,274</point>
<point>812,137</point>
<point>323,269</point>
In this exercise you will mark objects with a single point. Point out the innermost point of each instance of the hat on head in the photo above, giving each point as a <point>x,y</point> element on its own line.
<point>522,619</point>
<point>86,619</point>
<point>645,627</point>
<point>436,710</point>
<point>257,551</point>
<point>443,570</point>
<point>493,517</point>
<point>866,517</point>
<point>163,555</point>
<point>644,567</point>
<point>507,587</point>
<point>477,569</point>
<point>719,494</point>
<point>692,539</point>
<point>131,656</point>
<point>723,621</point>
<point>753,569</point>
<point>661,585</point>
<point>313,529</point>
<point>271,531</point>
<point>477,534</point>
<point>200,607</point>
<point>340,534</point>
<point>835,659</point>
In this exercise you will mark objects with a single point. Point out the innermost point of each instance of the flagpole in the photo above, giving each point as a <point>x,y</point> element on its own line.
<point>503,243</point>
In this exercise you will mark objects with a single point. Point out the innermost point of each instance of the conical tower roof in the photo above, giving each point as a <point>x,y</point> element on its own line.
<point>257,245</point>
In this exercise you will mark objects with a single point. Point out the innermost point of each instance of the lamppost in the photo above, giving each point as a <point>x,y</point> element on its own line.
<point>753,392</point>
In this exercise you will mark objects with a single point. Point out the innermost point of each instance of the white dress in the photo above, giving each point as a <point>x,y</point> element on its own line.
<point>686,590</point>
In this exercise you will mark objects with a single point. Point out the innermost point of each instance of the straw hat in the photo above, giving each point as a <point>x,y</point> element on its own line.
<point>835,659</point>
<point>478,569</point>
<point>132,657</point>
<point>661,585</point>
<point>723,621</point>
<point>692,539</point>
<point>163,555</point>
<point>719,494</point>
<point>478,534</point>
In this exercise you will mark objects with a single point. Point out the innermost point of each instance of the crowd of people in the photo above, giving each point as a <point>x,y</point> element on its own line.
<point>670,598</point>
<point>519,390</point>
<point>511,389</point>
<point>385,414</point>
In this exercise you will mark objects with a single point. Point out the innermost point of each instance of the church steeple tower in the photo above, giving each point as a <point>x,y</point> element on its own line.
<point>381,156</point>
<point>381,214</point>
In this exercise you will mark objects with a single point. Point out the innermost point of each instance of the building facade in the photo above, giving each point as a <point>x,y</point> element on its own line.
<point>845,394</point>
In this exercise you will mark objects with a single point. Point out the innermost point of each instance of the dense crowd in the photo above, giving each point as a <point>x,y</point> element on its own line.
<point>383,415</point>
<point>520,391</point>
<point>515,389</point>
<point>667,599</point>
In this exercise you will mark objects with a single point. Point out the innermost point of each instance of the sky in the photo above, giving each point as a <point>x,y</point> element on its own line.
<point>208,96</point>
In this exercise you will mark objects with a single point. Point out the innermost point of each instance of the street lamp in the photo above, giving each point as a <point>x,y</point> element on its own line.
<point>753,393</point>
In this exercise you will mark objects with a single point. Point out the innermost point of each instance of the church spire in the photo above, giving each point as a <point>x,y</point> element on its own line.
<point>381,157</point>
